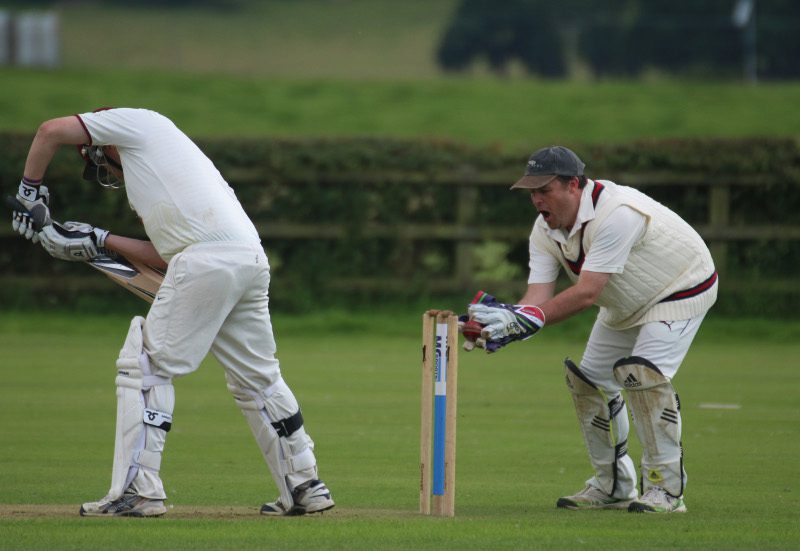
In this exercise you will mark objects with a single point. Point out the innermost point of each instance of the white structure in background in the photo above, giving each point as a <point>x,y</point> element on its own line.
<point>5,37</point>
<point>744,17</point>
<point>30,39</point>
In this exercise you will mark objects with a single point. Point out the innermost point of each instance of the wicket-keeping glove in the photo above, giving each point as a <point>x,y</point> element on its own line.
<point>36,199</point>
<point>504,323</point>
<point>74,241</point>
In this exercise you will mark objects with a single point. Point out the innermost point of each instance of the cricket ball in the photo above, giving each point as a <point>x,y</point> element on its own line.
<point>472,330</point>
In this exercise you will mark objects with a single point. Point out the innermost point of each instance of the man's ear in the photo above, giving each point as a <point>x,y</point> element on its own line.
<point>574,184</point>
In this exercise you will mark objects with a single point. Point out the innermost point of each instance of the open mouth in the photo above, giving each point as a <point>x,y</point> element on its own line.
<point>545,214</point>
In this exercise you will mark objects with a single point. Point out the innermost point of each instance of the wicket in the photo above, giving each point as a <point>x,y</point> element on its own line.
<point>438,412</point>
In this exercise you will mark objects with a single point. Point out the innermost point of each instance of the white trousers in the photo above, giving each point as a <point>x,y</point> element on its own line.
<point>663,344</point>
<point>214,298</point>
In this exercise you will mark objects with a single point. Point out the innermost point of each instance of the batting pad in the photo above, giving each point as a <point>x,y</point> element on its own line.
<point>604,424</point>
<point>657,418</point>
<point>144,415</point>
<point>276,423</point>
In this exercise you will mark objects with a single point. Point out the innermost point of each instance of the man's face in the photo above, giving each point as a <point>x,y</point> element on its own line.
<point>111,153</point>
<point>558,203</point>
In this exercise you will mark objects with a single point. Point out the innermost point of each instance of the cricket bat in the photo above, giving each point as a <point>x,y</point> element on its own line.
<point>138,278</point>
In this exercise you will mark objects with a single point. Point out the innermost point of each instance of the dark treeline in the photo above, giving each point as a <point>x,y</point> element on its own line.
<point>689,37</point>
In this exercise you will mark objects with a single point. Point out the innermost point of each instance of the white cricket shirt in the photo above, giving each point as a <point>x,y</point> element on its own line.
<point>175,189</point>
<point>661,269</point>
<point>615,237</point>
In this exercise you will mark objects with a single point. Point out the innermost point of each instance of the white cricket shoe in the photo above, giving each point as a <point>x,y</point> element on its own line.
<point>592,498</point>
<point>657,500</point>
<point>130,504</point>
<point>310,497</point>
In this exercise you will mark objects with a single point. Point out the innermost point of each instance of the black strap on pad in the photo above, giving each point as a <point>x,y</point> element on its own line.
<point>287,427</point>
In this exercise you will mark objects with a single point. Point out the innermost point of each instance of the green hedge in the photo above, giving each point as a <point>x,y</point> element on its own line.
<point>362,194</point>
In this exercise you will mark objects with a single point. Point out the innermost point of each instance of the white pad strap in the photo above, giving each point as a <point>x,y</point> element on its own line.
<point>604,424</point>
<point>158,419</point>
<point>148,460</point>
<point>148,379</point>
<point>656,416</point>
<point>300,462</point>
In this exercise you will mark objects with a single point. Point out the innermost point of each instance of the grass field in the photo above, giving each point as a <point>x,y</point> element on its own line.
<point>265,38</point>
<point>512,114</point>
<point>356,67</point>
<point>357,378</point>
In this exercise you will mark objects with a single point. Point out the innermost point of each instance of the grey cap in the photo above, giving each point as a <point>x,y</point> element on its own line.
<point>548,163</point>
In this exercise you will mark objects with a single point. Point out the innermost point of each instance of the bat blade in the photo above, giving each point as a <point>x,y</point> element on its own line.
<point>140,279</point>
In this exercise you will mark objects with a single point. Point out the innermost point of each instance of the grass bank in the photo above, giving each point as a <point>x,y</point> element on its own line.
<point>519,114</point>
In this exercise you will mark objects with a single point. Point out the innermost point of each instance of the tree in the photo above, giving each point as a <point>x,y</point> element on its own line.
<point>621,37</point>
<point>523,30</point>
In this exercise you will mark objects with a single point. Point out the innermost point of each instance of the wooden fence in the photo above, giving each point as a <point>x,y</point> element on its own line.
<point>466,231</point>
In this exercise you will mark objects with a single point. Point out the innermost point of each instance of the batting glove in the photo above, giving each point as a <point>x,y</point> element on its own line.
<point>504,323</point>
<point>35,198</point>
<point>75,241</point>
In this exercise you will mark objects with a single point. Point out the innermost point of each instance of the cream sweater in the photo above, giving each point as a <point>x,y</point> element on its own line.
<point>669,274</point>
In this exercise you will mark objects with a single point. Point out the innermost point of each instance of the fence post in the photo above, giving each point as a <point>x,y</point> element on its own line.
<point>719,219</point>
<point>466,210</point>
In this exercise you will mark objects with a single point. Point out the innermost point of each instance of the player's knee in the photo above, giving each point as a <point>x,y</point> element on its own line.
<point>577,381</point>
<point>637,373</point>
<point>133,346</point>
<point>134,368</point>
<point>276,401</point>
<point>275,417</point>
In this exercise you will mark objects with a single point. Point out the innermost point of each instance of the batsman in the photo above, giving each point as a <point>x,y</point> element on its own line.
<point>654,280</point>
<point>214,297</point>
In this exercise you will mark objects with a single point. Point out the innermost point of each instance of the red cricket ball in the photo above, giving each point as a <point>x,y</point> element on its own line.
<point>472,330</point>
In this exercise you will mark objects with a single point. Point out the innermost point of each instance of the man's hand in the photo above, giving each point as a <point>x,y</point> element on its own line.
<point>35,198</point>
<point>75,241</point>
<point>503,323</point>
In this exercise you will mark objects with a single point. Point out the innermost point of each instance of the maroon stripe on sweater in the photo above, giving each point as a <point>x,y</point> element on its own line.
<point>693,291</point>
<point>576,266</point>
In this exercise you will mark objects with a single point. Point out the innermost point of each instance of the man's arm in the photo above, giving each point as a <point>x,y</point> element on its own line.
<point>538,293</point>
<point>135,250</point>
<point>49,137</point>
<point>610,250</point>
<point>576,298</point>
<point>504,323</point>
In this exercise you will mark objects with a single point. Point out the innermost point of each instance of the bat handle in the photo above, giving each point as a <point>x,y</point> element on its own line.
<point>14,204</point>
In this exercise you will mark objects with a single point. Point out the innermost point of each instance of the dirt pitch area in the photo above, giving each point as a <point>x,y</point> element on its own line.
<point>195,512</point>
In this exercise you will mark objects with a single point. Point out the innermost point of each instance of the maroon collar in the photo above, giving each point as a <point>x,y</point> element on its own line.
<point>576,265</point>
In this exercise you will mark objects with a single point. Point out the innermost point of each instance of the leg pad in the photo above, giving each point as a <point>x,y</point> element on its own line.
<point>604,424</point>
<point>144,415</point>
<point>656,416</point>
<point>277,425</point>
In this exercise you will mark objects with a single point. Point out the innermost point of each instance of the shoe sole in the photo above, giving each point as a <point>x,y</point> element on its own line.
<point>326,508</point>
<point>134,514</point>
<point>564,503</point>
<point>642,508</point>
<point>298,511</point>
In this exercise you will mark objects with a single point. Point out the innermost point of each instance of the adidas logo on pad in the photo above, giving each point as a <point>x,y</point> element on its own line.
<point>631,381</point>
